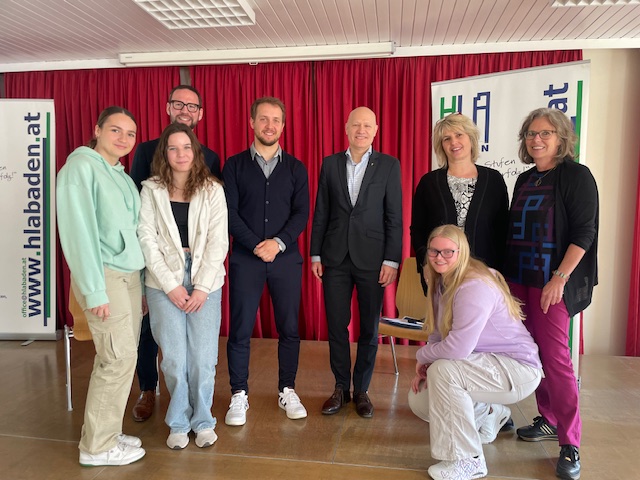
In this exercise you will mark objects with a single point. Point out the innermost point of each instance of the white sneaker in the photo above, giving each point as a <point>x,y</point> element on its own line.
<point>459,469</point>
<point>121,454</point>
<point>489,430</point>
<point>289,401</point>
<point>237,413</point>
<point>177,441</point>
<point>129,440</point>
<point>206,438</point>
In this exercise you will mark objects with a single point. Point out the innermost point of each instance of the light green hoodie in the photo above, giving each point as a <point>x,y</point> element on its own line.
<point>98,206</point>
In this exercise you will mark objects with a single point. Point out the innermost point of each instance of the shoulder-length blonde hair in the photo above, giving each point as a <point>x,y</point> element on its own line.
<point>456,122</point>
<point>564,130</point>
<point>464,268</point>
<point>199,176</point>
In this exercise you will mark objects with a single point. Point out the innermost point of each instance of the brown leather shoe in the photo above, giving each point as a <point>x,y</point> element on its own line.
<point>336,401</point>
<point>364,407</point>
<point>143,408</point>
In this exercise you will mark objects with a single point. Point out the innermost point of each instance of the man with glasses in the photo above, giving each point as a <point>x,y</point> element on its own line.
<point>184,106</point>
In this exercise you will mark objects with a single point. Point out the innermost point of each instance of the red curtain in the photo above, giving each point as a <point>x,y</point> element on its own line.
<point>228,92</point>
<point>79,97</point>
<point>318,97</point>
<point>633,320</point>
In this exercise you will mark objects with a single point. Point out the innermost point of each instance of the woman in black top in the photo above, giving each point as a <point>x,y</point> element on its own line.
<point>461,193</point>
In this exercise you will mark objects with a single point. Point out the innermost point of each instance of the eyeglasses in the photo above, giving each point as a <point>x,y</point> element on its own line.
<point>433,253</point>
<point>544,134</point>
<point>178,105</point>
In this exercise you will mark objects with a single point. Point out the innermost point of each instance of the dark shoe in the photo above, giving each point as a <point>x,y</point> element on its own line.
<point>364,407</point>
<point>507,427</point>
<point>569,463</point>
<point>143,408</point>
<point>537,431</point>
<point>336,401</point>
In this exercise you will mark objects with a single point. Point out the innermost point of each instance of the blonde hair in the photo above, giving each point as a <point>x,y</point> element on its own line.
<point>465,267</point>
<point>456,122</point>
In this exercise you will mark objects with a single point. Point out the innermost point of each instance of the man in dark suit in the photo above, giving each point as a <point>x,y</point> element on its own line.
<point>184,106</point>
<point>356,241</point>
<point>268,201</point>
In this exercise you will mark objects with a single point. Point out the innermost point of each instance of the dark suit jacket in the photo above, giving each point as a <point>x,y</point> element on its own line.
<point>141,167</point>
<point>371,231</point>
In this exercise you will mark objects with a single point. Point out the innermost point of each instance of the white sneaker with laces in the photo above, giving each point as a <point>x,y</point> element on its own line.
<point>206,438</point>
<point>237,413</point>
<point>129,440</point>
<point>289,401</point>
<point>465,469</point>
<point>177,441</point>
<point>498,416</point>
<point>121,454</point>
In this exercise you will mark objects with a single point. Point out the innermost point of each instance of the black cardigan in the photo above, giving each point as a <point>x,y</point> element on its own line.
<point>576,220</point>
<point>487,220</point>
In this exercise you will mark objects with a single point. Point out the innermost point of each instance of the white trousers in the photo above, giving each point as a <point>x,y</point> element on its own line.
<point>458,397</point>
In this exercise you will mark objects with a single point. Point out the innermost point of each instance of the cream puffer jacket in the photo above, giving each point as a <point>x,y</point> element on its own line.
<point>161,245</point>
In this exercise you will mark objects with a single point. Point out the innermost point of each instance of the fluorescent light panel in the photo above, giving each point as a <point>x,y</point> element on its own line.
<point>593,3</point>
<point>183,14</point>
<point>258,55</point>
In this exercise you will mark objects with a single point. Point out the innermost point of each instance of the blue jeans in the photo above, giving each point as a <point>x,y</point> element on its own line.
<point>189,344</point>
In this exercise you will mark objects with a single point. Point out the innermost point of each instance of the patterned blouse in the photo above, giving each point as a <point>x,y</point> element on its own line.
<point>462,191</point>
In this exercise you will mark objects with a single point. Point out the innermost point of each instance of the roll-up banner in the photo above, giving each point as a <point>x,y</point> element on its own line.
<point>27,212</point>
<point>498,103</point>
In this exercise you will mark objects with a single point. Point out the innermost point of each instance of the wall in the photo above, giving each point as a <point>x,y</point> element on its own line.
<point>613,146</point>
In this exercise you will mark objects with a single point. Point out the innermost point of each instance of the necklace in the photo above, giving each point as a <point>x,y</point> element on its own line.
<point>177,188</point>
<point>538,182</point>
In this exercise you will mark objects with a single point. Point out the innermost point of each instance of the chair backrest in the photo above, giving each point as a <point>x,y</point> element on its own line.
<point>410,298</point>
<point>80,325</point>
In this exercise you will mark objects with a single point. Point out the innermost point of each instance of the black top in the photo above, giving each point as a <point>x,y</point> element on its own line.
<point>576,221</point>
<point>487,219</point>
<point>181,215</point>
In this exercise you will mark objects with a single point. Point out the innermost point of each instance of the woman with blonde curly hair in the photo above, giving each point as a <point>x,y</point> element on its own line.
<point>479,356</point>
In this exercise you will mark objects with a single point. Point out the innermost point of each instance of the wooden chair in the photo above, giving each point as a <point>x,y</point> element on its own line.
<point>411,302</point>
<point>80,332</point>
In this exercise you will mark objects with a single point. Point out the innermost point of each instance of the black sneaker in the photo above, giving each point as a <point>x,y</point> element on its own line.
<point>507,427</point>
<point>569,463</point>
<point>537,431</point>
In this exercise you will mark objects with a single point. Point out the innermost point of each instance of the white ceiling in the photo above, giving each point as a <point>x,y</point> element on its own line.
<point>61,34</point>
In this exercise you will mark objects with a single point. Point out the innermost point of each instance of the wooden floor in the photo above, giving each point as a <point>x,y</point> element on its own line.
<point>38,436</point>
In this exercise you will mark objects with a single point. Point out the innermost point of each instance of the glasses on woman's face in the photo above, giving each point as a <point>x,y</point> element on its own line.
<point>447,253</point>
<point>544,134</point>
<point>178,105</point>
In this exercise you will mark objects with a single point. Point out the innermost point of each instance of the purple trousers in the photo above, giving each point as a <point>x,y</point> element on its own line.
<point>557,396</point>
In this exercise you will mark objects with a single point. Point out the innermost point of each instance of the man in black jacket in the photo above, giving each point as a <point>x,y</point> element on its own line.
<point>268,201</point>
<point>356,241</point>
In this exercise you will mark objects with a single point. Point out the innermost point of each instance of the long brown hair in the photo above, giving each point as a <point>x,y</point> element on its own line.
<point>199,176</point>
<point>464,268</point>
<point>104,115</point>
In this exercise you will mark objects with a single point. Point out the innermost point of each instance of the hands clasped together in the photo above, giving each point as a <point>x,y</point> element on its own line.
<point>185,302</point>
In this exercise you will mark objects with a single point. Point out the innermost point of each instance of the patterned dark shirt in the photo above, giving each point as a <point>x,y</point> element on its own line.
<point>531,243</point>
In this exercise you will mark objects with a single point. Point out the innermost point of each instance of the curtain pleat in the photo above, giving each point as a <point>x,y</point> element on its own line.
<point>633,319</point>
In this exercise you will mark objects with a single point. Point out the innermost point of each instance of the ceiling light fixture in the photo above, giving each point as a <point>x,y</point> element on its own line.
<point>181,14</point>
<point>258,55</point>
